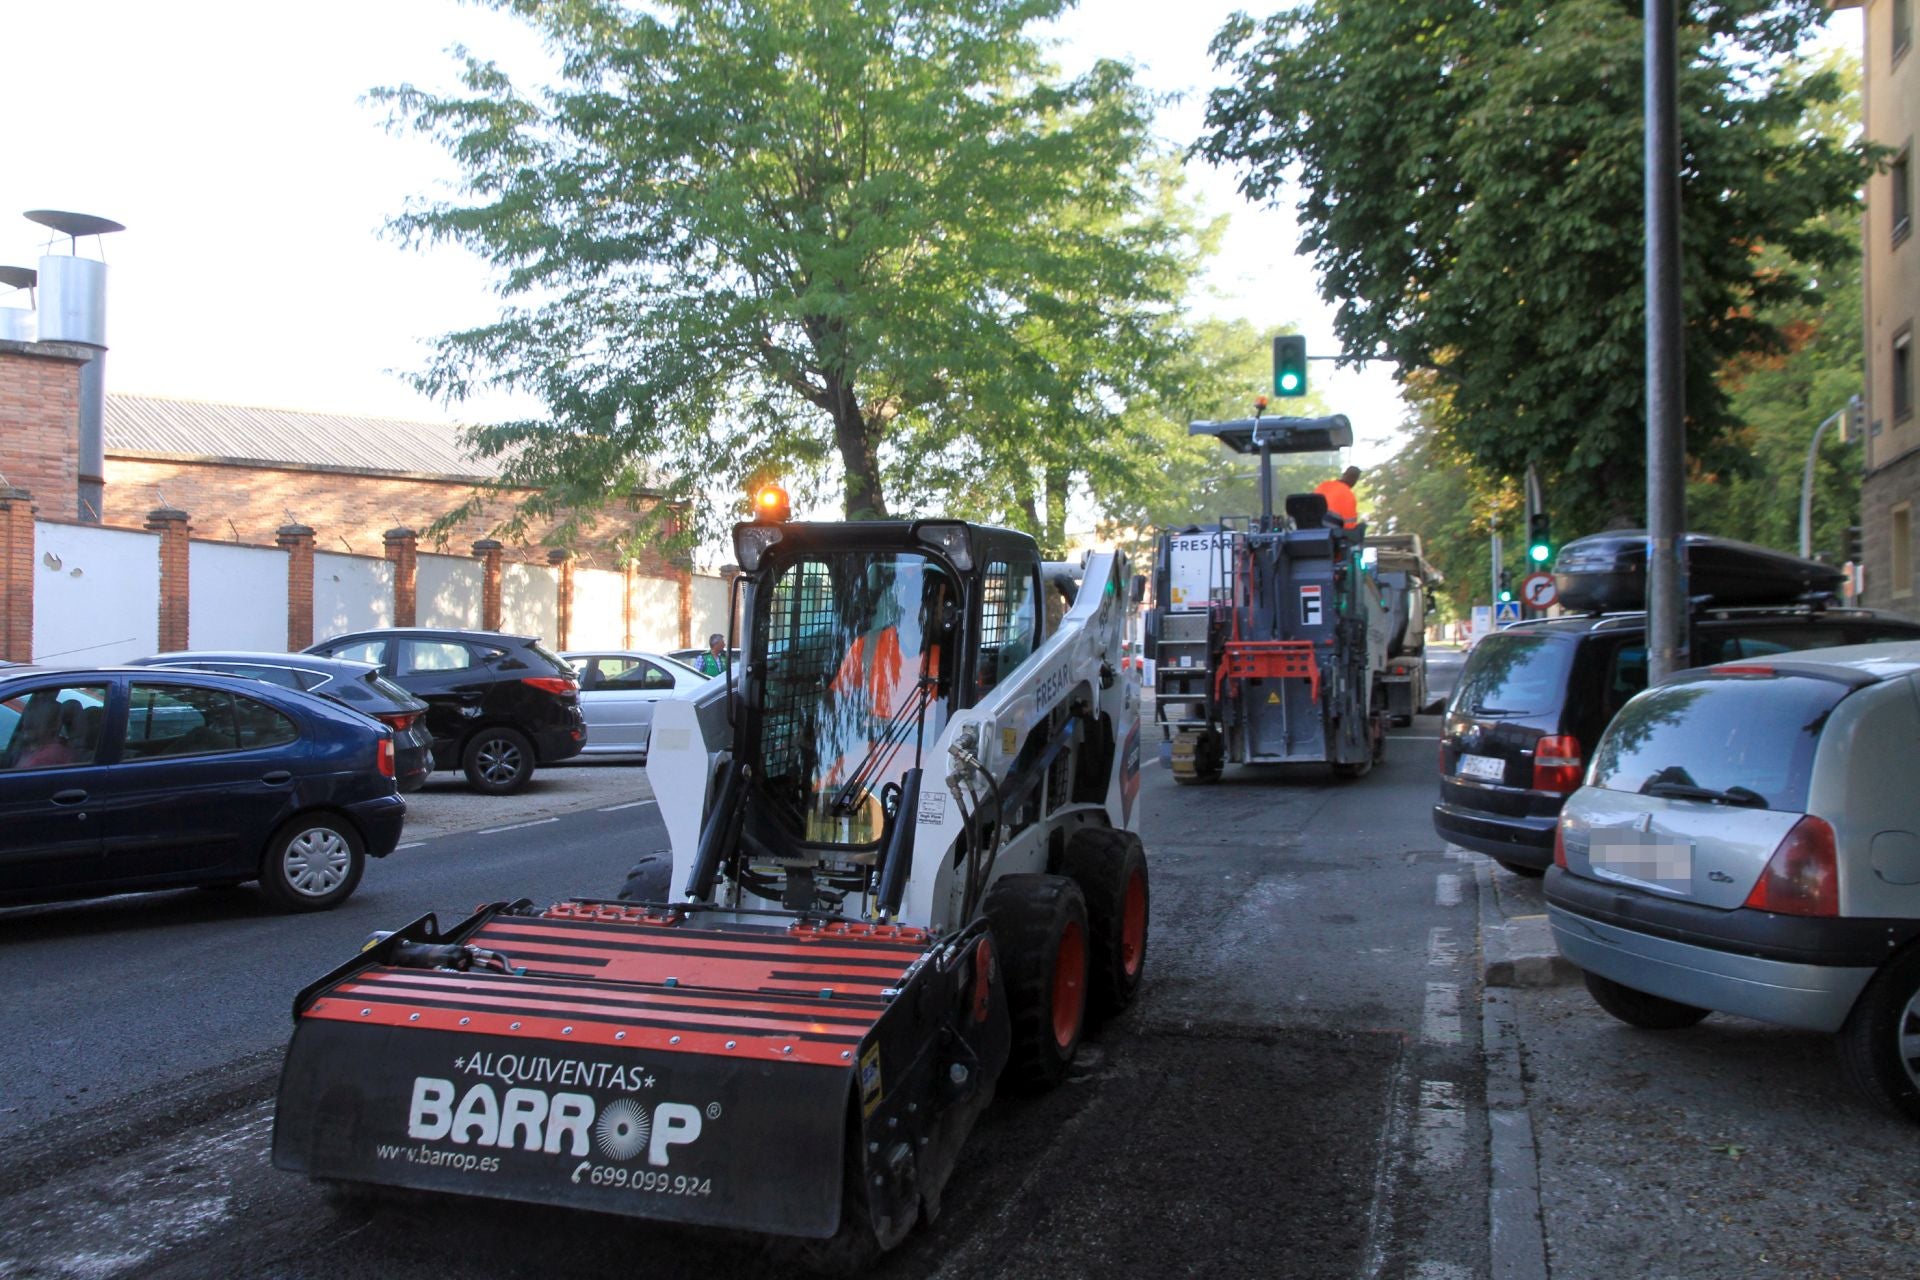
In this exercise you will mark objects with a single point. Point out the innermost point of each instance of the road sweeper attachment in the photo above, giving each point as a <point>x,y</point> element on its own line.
<point>905,878</point>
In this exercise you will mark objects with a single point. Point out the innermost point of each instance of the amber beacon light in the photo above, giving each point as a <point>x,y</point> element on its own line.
<point>770,505</point>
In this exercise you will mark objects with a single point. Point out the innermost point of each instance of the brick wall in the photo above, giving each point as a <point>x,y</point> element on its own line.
<point>175,586</point>
<point>349,512</point>
<point>40,422</point>
<point>16,575</point>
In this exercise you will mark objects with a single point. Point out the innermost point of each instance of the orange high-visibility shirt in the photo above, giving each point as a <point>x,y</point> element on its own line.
<point>1340,500</point>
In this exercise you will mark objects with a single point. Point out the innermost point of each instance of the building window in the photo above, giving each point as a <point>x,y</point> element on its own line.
<point>1902,27</point>
<point>1900,177</point>
<point>1903,373</point>
<point>1900,571</point>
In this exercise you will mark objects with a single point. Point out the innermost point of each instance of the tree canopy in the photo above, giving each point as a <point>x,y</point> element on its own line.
<point>876,242</point>
<point>1472,196</point>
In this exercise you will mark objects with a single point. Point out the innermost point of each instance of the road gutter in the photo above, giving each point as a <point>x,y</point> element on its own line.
<point>1516,1231</point>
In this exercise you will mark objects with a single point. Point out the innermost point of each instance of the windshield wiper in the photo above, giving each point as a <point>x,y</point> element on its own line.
<point>1745,797</point>
<point>906,723</point>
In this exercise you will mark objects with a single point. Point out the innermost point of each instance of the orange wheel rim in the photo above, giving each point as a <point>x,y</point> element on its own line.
<point>1133,924</point>
<point>1069,984</point>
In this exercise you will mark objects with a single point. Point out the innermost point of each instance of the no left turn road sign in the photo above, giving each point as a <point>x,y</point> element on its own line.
<point>1538,591</point>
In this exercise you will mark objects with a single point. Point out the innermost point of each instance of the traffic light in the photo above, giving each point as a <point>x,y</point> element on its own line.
<point>1289,365</point>
<point>1539,539</point>
<point>1506,586</point>
<point>1854,428</point>
<point>1855,551</point>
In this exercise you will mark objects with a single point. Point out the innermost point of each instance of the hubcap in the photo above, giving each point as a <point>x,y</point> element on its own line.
<point>1907,1039</point>
<point>317,861</point>
<point>499,760</point>
<point>1069,984</point>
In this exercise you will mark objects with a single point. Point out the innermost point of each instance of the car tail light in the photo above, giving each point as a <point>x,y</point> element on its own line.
<point>1560,844</point>
<point>551,684</point>
<point>1803,875</point>
<point>399,721</point>
<point>1743,669</point>
<point>383,758</point>
<point>1556,764</point>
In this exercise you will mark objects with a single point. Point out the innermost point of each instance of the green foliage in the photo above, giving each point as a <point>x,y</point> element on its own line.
<point>1472,196</point>
<point>820,238</point>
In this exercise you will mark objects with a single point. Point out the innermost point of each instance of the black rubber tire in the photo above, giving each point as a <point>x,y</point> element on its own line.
<point>1208,761</point>
<point>498,760</point>
<point>1358,769</point>
<point>1035,918</point>
<point>649,880</point>
<point>1108,865</point>
<point>1869,1042</point>
<point>312,863</point>
<point>1640,1009</point>
<point>1522,869</point>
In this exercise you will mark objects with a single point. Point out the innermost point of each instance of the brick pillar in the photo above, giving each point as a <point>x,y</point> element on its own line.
<point>403,549</point>
<point>173,529</point>
<point>685,578</point>
<point>490,552</point>
<point>562,561</point>
<point>627,573</point>
<point>16,574</point>
<point>297,541</point>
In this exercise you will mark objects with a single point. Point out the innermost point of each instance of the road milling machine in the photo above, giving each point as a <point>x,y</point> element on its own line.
<point>1269,634</point>
<point>905,874</point>
<point>1406,589</point>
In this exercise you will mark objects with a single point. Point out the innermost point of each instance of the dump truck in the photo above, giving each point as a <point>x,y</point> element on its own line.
<point>1406,585</point>
<point>1268,633</point>
<point>903,875</point>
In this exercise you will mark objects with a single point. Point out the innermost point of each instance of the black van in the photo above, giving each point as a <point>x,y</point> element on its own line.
<point>1533,698</point>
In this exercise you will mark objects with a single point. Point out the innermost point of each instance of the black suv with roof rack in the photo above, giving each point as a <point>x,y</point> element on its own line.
<point>1533,698</point>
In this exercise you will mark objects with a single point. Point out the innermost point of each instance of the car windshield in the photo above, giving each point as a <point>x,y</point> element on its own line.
<point>1741,740</point>
<point>1513,673</point>
<point>855,686</point>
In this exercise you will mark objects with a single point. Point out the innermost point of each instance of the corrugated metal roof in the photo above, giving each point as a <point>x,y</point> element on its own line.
<point>157,425</point>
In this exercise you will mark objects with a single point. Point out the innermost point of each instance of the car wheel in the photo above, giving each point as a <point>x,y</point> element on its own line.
<point>312,863</point>
<point>1040,932</point>
<point>1639,1008</point>
<point>1880,1043</point>
<point>1522,869</point>
<point>498,761</point>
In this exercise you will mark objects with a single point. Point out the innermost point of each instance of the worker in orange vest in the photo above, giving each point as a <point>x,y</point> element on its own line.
<point>1339,496</point>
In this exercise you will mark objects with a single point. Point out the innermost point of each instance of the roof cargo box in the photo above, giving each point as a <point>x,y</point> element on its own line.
<point>1604,572</point>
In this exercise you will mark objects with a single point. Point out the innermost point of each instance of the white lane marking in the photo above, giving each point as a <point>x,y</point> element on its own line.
<point>411,844</point>
<point>1440,1127</point>
<point>631,804</point>
<point>518,826</point>
<point>1442,951</point>
<point>1440,1019</point>
<point>1446,889</point>
<point>1417,737</point>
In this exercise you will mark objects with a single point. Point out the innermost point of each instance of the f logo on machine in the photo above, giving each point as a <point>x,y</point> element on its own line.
<point>1310,604</point>
<point>1506,611</point>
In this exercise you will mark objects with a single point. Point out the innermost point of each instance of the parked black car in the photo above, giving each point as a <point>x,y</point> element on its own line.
<point>351,684</point>
<point>114,780</point>
<point>497,705</point>
<point>1533,699</point>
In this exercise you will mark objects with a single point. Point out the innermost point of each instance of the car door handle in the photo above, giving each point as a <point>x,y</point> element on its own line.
<point>72,796</point>
<point>277,777</point>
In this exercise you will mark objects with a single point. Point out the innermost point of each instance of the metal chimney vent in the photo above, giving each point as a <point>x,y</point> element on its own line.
<point>16,323</point>
<point>73,308</point>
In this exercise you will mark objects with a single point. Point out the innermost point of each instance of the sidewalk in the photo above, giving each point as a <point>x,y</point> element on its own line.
<point>1731,1149</point>
<point>446,805</point>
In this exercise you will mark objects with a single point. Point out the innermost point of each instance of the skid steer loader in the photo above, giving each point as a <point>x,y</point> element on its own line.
<point>905,874</point>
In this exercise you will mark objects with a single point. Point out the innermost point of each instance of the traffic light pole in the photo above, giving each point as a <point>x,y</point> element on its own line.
<point>1666,442</point>
<point>1806,486</point>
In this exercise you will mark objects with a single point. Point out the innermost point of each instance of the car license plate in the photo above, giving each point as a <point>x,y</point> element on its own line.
<point>1656,862</point>
<point>1488,768</point>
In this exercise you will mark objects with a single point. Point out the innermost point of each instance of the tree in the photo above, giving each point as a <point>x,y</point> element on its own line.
<point>1472,196</point>
<point>785,236</point>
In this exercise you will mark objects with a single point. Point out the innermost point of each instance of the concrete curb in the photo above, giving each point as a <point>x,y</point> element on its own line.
<point>1516,951</point>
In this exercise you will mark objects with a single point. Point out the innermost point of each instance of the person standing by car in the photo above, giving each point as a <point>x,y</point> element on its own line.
<point>714,661</point>
<point>1339,496</point>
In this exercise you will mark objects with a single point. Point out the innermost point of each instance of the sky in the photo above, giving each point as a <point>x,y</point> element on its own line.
<point>234,141</point>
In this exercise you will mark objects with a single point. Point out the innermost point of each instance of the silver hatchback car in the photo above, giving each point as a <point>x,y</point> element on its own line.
<point>1748,841</point>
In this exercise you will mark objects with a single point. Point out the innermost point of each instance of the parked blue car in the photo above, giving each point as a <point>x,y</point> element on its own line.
<point>115,780</point>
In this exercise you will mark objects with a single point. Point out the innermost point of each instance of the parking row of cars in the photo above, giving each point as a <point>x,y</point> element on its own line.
<point>287,769</point>
<point>1740,838</point>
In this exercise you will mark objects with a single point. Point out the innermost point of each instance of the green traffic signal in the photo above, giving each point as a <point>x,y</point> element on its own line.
<point>1505,596</point>
<point>1289,365</point>
<point>1539,553</point>
<point>1539,538</point>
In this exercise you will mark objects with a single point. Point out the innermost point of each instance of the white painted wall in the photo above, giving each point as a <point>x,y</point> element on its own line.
<point>656,614</point>
<point>709,607</point>
<point>237,597</point>
<point>448,591</point>
<point>530,601</point>
<point>599,609</point>
<point>96,594</point>
<point>350,593</point>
